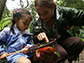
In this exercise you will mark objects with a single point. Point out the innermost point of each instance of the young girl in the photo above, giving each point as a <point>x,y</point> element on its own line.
<point>16,37</point>
<point>53,22</point>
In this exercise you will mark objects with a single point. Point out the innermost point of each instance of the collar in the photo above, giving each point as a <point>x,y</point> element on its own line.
<point>57,14</point>
<point>26,32</point>
<point>17,31</point>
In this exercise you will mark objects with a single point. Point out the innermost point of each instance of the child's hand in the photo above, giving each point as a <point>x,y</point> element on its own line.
<point>4,55</point>
<point>25,50</point>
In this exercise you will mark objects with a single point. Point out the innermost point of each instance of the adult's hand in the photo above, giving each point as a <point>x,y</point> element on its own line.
<point>42,36</point>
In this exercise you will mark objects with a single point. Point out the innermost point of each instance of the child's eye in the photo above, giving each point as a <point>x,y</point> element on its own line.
<point>24,23</point>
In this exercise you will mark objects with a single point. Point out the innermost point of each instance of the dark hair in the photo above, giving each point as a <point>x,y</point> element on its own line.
<point>19,14</point>
<point>47,3</point>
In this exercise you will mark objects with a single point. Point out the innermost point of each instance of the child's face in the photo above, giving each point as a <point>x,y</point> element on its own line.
<point>44,12</point>
<point>23,24</point>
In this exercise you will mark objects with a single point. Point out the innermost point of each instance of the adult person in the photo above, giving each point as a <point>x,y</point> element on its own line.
<point>53,22</point>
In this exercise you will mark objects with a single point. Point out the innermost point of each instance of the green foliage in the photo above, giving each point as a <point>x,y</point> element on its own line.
<point>4,23</point>
<point>81,33</point>
<point>34,19</point>
<point>78,4</point>
<point>32,9</point>
<point>13,0</point>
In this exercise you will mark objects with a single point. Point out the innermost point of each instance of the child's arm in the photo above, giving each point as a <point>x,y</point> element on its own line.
<point>29,44</point>
<point>26,49</point>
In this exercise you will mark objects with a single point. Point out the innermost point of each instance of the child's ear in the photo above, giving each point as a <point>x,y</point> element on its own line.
<point>16,19</point>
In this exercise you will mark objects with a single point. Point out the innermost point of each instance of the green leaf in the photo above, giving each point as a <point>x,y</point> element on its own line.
<point>57,53</point>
